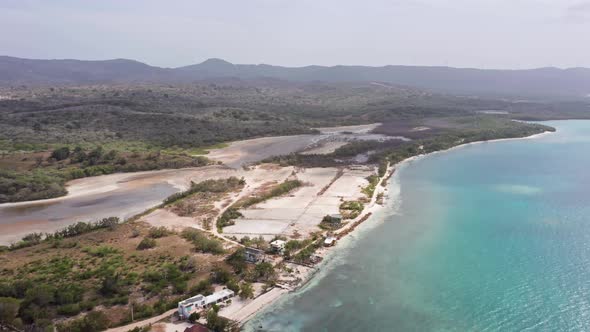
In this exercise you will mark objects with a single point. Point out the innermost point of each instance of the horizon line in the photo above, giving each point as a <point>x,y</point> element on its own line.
<point>298,67</point>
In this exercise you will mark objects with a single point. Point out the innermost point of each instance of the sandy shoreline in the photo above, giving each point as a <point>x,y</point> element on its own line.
<point>373,209</point>
<point>297,212</point>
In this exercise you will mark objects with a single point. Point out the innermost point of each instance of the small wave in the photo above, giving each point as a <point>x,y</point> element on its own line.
<point>518,189</point>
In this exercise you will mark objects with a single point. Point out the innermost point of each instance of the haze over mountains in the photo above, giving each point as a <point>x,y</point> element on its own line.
<point>542,82</point>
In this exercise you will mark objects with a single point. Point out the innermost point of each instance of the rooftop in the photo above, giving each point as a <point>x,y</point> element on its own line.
<point>193,299</point>
<point>254,250</point>
<point>219,295</point>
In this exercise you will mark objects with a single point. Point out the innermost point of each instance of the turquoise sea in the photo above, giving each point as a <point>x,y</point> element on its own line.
<point>486,237</point>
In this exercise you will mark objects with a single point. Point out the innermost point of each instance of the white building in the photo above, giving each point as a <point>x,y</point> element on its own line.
<point>198,302</point>
<point>278,245</point>
<point>329,241</point>
<point>190,305</point>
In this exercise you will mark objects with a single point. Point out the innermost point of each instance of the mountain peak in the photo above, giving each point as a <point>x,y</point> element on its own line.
<point>216,62</point>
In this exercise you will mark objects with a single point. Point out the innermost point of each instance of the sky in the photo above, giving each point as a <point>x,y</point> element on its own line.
<point>509,34</point>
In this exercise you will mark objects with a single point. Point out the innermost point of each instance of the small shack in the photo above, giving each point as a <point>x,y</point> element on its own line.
<point>253,255</point>
<point>329,241</point>
<point>278,246</point>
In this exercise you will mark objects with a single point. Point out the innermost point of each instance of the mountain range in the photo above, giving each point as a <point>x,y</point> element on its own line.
<point>542,82</point>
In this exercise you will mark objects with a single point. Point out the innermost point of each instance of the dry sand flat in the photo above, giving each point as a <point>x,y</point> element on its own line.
<point>253,150</point>
<point>248,151</point>
<point>241,310</point>
<point>325,148</point>
<point>302,210</point>
<point>121,195</point>
<point>255,177</point>
<point>358,129</point>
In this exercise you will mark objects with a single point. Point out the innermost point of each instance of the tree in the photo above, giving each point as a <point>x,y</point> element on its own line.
<point>96,321</point>
<point>110,285</point>
<point>233,285</point>
<point>41,295</point>
<point>264,271</point>
<point>194,317</point>
<point>221,275</point>
<point>95,155</point>
<point>93,322</point>
<point>70,293</point>
<point>146,243</point>
<point>247,291</point>
<point>216,323</point>
<point>8,309</point>
<point>61,153</point>
<point>237,260</point>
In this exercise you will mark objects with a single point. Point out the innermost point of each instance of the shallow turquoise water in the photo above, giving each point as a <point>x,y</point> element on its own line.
<point>488,237</point>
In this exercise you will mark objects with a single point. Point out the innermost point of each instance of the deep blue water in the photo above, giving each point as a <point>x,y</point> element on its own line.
<point>487,237</point>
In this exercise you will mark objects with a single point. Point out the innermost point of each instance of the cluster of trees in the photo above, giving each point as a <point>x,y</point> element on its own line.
<point>370,188</point>
<point>444,134</point>
<point>169,275</point>
<point>212,185</point>
<point>24,303</point>
<point>76,229</point>
<point>95,321</point>
<point>60,287</point>
<point>203,242</point>
<point>97,156</point>
<point>278,190</point>
<point>227,218</point>
<point>350,209</point>
<point>31,304</point>
<point>256,242</point>
<point>47,180</point>
<point>223,276</point>
<point>217,323</point>
<point>261,272</point>
<point>34,185</point>
<point>154,233</point>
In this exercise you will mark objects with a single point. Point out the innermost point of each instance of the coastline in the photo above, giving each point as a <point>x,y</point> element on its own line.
<point>370,214</point>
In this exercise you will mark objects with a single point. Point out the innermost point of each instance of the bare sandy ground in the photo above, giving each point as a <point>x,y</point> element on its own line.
<point>358,129</point>
<point>122,195</point>
<point>240,310</point>
<point>301,211</point>
<point>255,177</point>
<point>325,148</point>
<point>170,327</point>
<point>253,150</point>
<point>248,151</point>
<point>178,178</point>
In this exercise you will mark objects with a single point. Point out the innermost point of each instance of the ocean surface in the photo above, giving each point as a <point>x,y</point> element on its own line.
<point>486,237</point>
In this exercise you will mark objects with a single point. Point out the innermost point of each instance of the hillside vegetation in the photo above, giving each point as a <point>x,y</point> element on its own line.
<point>126,128</point>
<point>539,83</point>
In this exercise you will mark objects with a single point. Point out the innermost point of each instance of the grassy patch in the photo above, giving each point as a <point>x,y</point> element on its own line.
<point>370,188</point>
<point>351,209</point>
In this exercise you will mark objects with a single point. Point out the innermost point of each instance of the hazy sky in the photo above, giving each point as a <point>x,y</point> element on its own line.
<point>463,33</point>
